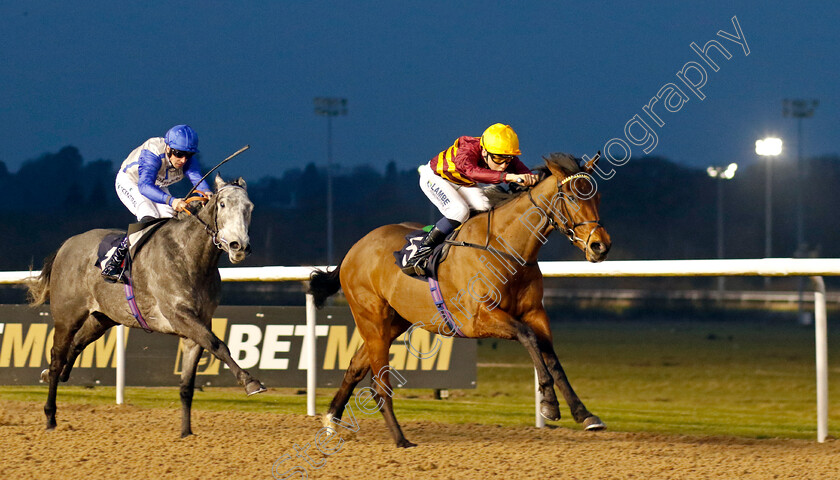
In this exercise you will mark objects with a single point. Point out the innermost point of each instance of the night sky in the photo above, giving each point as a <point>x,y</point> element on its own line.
<point>568,76</point>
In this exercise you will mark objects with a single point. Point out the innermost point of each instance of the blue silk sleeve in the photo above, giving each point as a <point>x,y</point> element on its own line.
<point>148,170</point>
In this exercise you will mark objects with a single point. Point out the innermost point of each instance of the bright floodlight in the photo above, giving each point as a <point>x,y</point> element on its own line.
<point>730,171</point>
<point>769,146</point>
<point>725,173</point>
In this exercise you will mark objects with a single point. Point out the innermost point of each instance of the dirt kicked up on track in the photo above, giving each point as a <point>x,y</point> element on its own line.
<point>123,442</point>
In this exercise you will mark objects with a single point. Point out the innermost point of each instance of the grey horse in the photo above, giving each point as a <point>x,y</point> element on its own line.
<point>176,283</point>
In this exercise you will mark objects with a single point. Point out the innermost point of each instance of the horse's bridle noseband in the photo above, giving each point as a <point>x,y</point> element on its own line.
<point>569,230</point>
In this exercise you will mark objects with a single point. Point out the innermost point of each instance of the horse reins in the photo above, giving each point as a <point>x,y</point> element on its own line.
<point>486,245</point>
<point>570,232</point>
<point>213,232</point>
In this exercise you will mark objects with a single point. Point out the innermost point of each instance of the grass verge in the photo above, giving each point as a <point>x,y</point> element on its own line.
<point>749,378</point>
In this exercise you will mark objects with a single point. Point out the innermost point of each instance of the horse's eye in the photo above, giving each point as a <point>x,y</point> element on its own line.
<point>222,204</point>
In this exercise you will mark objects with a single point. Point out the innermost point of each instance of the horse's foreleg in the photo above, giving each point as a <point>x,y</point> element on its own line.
<point>538,320</point>
<point>189,361</point>
<point>549,408</point>
<point>502,325</point>
<point>576,406</point>
<point>210,342</point>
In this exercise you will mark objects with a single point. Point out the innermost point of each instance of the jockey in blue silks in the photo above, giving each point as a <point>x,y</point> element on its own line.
<point>143,180</point>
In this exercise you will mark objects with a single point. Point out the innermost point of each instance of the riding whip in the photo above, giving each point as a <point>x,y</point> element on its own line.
<point>246,147</point>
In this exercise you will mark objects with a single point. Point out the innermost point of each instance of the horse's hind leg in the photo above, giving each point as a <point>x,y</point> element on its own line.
<point>382,386</point>
<point>192,354</point>
<point>539,322</point>
<point>375,320</point>
<point>356,371</point>
<point>91,330</point>
<point>63,335</point>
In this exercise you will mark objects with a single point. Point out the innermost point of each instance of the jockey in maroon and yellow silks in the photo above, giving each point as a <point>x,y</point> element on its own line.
<point>462,164</point>
<point>451,182</point>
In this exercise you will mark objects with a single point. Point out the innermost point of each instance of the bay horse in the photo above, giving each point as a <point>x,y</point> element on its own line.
<point>497,285</point>
<point>176,284</point>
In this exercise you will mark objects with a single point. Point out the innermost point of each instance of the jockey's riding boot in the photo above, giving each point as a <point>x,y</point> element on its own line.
<point>113,271</point>
<point>418,261</point>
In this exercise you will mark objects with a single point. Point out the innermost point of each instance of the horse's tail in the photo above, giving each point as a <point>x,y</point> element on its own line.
<point>323,284</point>
<point>39,288</point>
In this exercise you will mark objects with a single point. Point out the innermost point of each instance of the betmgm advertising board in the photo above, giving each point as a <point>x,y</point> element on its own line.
<point>266,341</point>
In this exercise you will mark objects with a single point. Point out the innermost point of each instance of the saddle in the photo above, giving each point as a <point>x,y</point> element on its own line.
<point>437,257</point>
<point>138,233</point>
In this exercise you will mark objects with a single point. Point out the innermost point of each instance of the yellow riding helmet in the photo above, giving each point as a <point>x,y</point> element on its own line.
<point>500,139</point>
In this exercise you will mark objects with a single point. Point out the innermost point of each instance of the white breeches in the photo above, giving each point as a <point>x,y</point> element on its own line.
<point>453,201</point>
<point>139,205</point>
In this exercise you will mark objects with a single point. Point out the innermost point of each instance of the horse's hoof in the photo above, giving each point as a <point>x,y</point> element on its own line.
<point>594,424</point>
<point>550,411</point>
<point>405,444</point>
<point>45,375</point>
<point>185,434</point>
<point>254,387</point>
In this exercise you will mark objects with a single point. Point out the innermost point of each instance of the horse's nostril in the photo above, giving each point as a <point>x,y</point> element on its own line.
<point>597,247</point>
<point>234,246</point>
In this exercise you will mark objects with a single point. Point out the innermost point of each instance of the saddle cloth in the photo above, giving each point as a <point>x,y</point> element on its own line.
<point>107,247</point>
<point>437,257</point>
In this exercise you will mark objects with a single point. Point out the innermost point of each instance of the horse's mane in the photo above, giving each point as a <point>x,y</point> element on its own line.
<point>217,187</point>
<point>500,194</point>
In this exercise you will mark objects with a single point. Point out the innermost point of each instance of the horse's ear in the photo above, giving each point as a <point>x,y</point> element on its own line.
<point>241,182</point>
<point>218,182</point>
<point>589,164</point>
<point>554,168</point>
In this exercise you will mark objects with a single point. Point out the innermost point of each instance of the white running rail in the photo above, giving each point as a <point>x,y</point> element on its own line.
<point>768,267</point>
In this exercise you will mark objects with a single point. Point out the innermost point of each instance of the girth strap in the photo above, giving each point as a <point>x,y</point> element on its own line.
<point>132,304</point>
<point>440,304</point>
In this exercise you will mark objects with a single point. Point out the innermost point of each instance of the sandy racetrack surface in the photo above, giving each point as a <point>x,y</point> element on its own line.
<point>130,442</point>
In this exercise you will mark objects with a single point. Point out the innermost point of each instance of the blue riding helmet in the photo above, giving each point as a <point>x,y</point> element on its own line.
<point>182,137</point>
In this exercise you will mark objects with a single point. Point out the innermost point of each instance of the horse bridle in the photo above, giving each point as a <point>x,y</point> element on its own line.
<point>569,231</point>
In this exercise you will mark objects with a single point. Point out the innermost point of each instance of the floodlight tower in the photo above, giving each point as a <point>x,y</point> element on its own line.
<point>330,107</point>
<point>721,174</point>
<point>799,108</point>
<point>768,148</point>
